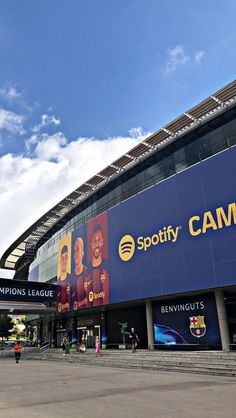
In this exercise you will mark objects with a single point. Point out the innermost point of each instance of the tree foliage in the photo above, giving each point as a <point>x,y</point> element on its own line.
<point>6,324</point>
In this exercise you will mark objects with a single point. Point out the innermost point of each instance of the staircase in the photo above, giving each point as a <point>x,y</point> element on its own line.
<point>208,362</point>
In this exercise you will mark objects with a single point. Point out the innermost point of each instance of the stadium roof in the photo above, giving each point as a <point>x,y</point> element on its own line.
<point>207,109</point>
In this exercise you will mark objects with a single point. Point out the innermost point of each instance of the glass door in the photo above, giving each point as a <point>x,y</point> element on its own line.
<point>87,335</point>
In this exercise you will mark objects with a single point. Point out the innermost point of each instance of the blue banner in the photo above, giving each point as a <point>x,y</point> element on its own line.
<point>189,320</point>
<point>16,290</point>
<point>177,236</point>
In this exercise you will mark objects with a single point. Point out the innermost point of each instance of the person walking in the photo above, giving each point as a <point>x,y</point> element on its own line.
<point>67,351</point>
<point>64,345</point>
<point>134,339</point>
<point>17,349</point>
<point>98,346</point>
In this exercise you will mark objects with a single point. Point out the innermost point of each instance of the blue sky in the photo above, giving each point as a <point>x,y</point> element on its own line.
<point>81,82</point>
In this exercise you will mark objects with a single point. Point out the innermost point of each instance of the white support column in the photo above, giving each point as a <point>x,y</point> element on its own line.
<point>149,317</point>
<point>222,318</point>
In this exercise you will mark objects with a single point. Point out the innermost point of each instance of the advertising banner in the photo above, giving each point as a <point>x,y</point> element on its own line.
<point>83,281</point>
<point>177,236</point>
<point>189,320</point>
<point>27,291</point>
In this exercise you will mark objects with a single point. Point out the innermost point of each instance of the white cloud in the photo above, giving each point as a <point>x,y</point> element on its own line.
<point>31,141</point>
<point>137,133</point>
<point>46,146</point>
<point>49,147</point>
<point>198,56</point>
<point>38,136</point>
<point>10,93</point>
<point>176,57</point>
<point>11,122</point>
<point>32,185</point>
<point>46,120</point>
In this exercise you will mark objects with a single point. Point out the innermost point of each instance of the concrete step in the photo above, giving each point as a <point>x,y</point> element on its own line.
<point>147,366</point>
<point>147,355</point>
<point>169,365</point>
<point>231,360</point>
<point>136,357</point>
<point>208,356</point>
<point>197,364</point>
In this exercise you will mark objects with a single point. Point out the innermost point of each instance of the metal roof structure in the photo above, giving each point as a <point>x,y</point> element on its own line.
<point>209,108</point>
<point>13,307</point>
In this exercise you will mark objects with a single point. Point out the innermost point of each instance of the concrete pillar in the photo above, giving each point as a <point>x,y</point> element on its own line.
<point>222,319</point>
<point>149,317</point>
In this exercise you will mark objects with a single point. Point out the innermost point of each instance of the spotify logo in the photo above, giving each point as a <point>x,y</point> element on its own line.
<point>91,297</point>
<point>126,248</point>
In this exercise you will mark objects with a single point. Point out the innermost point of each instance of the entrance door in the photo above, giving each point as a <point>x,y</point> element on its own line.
<point>230,301</point>
<point>87,335</point>
<point>60,335</point>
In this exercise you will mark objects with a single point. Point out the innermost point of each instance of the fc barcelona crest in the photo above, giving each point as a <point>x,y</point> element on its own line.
<point>197,326</point>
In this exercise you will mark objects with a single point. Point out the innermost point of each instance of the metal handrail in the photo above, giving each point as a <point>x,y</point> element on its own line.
<point>45,346</point>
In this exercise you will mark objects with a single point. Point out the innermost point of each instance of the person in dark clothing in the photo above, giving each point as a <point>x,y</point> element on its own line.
<point>64,345</point>
<point>134,339</point>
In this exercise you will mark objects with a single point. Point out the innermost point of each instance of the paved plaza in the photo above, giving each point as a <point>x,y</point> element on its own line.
<point>45,389</point>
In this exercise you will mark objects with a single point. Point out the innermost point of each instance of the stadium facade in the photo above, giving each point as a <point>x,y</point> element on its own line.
<point>149,242</point>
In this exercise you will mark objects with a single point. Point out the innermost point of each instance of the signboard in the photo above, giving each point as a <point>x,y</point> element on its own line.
<point>178,236</point>
<point>11,290</point>
<point>83,277</point>
<point>186,320</point>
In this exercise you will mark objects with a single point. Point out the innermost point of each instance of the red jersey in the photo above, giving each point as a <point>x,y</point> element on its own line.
<point>18,348</point>
<point>99,284</point>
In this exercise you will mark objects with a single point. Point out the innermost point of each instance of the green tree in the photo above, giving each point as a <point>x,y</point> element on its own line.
<point>6,324</point>
<point>19,326</point>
